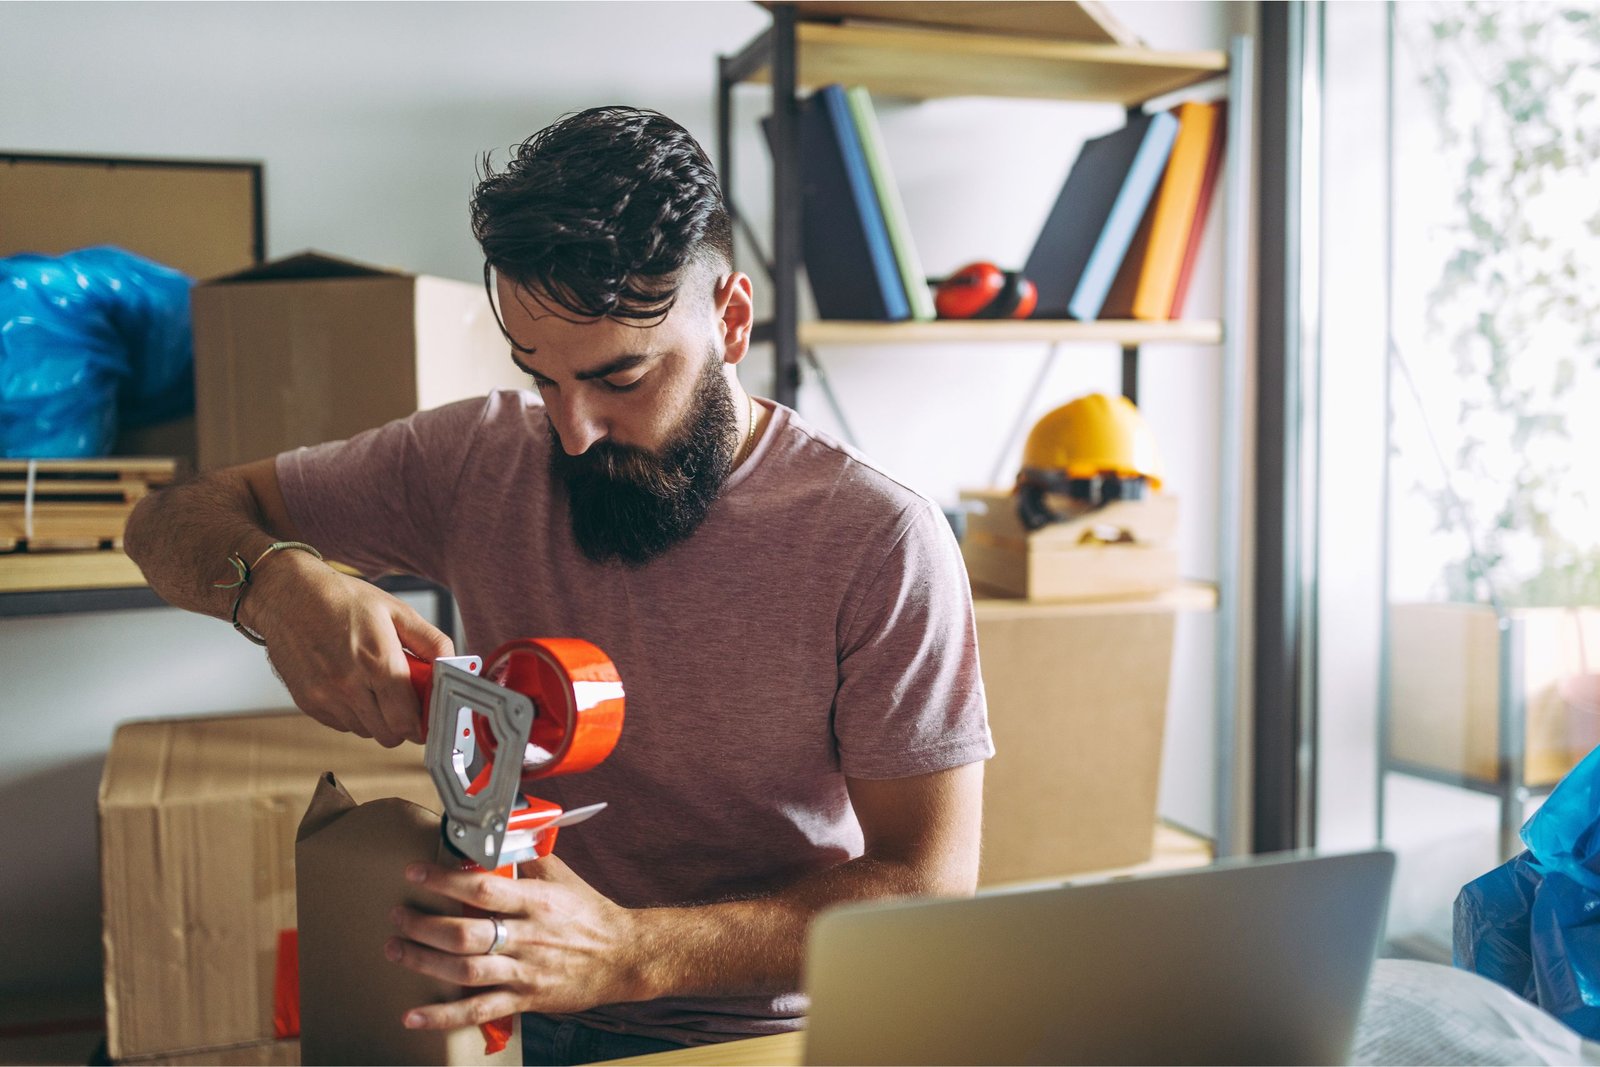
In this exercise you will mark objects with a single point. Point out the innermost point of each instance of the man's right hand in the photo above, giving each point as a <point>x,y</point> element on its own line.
<point>338,643</point>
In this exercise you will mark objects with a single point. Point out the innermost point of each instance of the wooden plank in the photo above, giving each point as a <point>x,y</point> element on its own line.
<point>922,64</point>
<point>155,468</point>
<point>40,571</point>
<point>63,525</point>
<point>974,331</point>
<point>57,488</point>
<point>1081,21</point>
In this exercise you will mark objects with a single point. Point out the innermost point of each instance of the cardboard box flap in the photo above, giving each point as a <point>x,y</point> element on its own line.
<point>305,266</point>
<point>330,801</point>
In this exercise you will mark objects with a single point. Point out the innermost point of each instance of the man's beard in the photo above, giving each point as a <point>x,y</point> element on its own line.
<point>630,504</point>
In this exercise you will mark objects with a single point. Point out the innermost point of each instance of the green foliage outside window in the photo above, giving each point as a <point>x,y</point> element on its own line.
<point>1514,92</point>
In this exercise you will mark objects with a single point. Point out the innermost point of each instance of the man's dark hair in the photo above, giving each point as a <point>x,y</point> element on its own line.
<point>601,212</point>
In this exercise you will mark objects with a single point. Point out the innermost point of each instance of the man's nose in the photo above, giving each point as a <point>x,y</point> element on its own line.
<point>577,426</point>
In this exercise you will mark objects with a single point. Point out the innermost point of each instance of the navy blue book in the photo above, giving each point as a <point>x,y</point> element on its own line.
<point>1094,219</point>
<point>844,240</point>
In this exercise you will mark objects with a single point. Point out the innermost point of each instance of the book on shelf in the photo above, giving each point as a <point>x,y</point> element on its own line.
<point>1147,281</point>
<point>1096,215</point>
<point>912,276</point>
<point>1202,209</point>
<point>843,238</point>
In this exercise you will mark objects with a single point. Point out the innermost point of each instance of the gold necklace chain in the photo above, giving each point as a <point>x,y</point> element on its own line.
<point>749,438</point>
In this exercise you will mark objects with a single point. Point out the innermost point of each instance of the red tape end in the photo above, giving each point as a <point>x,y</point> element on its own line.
<point>286,985</point>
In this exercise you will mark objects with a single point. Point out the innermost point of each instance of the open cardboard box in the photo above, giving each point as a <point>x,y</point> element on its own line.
<point>315,348</point>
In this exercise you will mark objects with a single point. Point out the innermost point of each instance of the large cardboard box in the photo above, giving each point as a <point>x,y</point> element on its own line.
<point>314,348</point>
<point>1444,689</point>
<point>1077,705</point>
<point>1124,549</point>
<point>202,217</point>
<point>197,837</point>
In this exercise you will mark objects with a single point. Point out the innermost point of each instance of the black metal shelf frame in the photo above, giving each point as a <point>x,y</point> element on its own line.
<point>32,603</point>
<point>775,48</point>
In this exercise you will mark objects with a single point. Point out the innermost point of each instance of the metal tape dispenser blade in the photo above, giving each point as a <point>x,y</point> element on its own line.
<point>478,795</point>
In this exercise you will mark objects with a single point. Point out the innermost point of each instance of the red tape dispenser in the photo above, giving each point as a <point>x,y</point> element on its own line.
<point>555,705</point>
<point>541,707</point>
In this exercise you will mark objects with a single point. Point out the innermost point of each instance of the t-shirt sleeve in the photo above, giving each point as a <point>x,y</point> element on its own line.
<point>381,501</point>
<point>910,697</point>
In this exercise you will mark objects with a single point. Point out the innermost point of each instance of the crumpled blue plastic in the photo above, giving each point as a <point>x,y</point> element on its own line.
<point>1533,923</point>
<point>90,341</point>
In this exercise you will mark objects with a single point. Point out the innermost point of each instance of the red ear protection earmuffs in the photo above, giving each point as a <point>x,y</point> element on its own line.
<point>984,291</point>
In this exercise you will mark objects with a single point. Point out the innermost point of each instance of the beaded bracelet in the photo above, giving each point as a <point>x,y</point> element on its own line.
<point>245,570</point>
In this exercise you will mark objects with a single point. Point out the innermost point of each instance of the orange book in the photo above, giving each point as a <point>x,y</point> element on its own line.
<point>1202,211</point>
<point>1148,278</point>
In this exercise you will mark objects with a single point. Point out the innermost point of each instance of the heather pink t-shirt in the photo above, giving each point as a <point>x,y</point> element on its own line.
<point>818,624</point>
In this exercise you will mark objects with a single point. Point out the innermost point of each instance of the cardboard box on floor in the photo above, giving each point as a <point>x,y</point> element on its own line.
<point>349,864</point>
<point>1077,705</point>
<point>197,837</point>
<point>1444,689</point>
<point>313,348</point>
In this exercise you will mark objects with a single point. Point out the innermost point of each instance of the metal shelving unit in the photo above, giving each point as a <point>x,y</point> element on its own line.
<point>798,52</point>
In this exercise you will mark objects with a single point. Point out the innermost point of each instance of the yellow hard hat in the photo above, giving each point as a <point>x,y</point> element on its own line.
<point>1095,449</point>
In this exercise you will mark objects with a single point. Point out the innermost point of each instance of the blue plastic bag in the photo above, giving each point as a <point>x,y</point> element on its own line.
<point>90,341</point>
<point>1533,923</point>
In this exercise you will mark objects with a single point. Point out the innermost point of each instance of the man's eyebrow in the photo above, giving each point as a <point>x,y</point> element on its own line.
<point>605,370</point>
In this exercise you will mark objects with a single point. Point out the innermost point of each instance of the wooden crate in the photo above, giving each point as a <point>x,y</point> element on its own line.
<point>1069,560</point>
<point>73,503</point>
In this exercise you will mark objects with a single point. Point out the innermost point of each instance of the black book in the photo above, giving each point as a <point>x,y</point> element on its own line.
<point>844,240</point>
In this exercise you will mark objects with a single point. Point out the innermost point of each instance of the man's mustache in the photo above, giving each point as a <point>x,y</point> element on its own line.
<point>607,461</point>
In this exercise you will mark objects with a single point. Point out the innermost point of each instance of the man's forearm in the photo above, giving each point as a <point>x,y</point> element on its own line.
<point>181,539</point>
<point>757,946</point>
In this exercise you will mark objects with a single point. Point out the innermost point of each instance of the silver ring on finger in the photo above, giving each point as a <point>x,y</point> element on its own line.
<point>499,941</point>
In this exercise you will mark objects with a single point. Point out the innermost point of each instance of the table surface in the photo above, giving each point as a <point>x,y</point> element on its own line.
<point>774,1050</point>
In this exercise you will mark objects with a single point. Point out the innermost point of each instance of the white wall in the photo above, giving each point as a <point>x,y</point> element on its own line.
<point>369,118</point>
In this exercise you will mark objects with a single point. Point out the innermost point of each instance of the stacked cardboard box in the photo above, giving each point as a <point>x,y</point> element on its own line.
<point>1126,548</point>
<point>1076,625</point>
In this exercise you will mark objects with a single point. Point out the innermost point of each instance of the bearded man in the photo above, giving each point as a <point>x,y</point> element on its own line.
<point>806,723</point>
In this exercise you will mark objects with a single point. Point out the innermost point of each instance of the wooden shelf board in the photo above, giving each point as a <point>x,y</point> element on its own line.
<point>1062,20</point>
<point>922,64</point>
<point>973,331</point>
<point>1186,596</point>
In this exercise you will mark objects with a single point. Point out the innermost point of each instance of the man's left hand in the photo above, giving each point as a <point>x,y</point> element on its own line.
<point>567,947</point>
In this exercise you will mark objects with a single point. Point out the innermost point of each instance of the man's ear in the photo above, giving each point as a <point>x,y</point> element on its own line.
<point>736,315</point>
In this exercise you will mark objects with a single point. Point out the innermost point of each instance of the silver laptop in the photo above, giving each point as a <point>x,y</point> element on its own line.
<point>1262,960</point>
